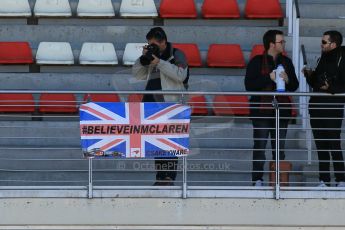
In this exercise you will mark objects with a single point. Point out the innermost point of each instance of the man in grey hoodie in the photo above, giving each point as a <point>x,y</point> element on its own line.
<point>164,68</point>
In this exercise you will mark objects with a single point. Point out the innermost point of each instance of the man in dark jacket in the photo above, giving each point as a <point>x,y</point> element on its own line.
<point>260,76</point>
<point>326,113</point>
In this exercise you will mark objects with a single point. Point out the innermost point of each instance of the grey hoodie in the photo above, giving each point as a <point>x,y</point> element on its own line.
<point>171,75</point>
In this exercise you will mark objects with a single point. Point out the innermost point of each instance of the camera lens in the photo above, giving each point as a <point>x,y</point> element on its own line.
<point>147,58</point>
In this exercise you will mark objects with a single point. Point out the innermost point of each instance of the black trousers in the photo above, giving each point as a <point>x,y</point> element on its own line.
<point>166,167</point>
<point>326,132</point>
<point>262,129</point>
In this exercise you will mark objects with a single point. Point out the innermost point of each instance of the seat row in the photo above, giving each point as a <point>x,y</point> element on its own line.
<point>142,8</point>
<point>67,103</point>
<point>60,53</point>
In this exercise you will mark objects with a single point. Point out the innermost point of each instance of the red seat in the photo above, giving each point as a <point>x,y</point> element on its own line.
<point>57,103</point>
<point>263,9</point>
<point>101,98</point>
<point>225,55</point>
<point>15,53</point>
<point>231,105</point>
<point>20,103</point>
<point>220,9</point>
<point>135,98</point>
<point>259,50</point>
<point>198,104</point>
<point>177,9</point>
<point>192,53</point>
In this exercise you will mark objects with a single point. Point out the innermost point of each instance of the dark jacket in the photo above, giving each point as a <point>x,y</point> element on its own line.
<point>258,79</point>
<point>331,66</point>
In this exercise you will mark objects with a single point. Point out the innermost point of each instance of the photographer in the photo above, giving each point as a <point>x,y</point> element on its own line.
<point>164,68</point>
<point>326,113</point>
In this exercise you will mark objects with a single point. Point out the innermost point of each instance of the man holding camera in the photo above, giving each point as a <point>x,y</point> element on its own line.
<point>164,68</point>
<point>326,113</point>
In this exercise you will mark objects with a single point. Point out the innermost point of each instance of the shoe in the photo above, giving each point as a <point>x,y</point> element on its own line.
<point>322,184</point>
<point>259,183</point>
<point>341,184</point>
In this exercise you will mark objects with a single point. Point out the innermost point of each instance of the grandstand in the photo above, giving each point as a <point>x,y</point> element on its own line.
<point>58,54</point>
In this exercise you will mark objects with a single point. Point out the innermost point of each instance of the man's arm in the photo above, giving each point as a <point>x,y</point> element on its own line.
<point>253,80</point>
<point>139,71</point>
<point>311,79</point>
<point>338,85</point>
<point>292,84</point>
<point>177,71</point>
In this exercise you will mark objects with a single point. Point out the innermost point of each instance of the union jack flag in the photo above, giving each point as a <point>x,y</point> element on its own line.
<point>135,130</point>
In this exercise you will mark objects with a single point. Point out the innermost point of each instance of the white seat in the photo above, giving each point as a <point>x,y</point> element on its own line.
<point>95,8</point>
<point>98,54</point>
<point>138,8</point>
<point>132,52</point>
<point>52,8</point>
<point>15,8</point>
<point>54,53</point>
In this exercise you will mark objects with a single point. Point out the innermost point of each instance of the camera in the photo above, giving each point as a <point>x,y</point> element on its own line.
<point>152,49</point>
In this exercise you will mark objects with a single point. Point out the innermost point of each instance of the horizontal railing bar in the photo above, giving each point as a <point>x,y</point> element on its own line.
<point>172,92</point>
<point>43,187</point>
<point>45,181</point>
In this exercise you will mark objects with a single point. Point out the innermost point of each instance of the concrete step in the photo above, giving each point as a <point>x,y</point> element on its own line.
<point>311,175</point>
<point>209,166</point>
<point>316,27</point>
<point>103,177</point>
<point>321,2</point>
<point>66,134</point>
<point>120,35</point>
<point>325,9</point>
<point>119,81</point>
<point>137,173</point>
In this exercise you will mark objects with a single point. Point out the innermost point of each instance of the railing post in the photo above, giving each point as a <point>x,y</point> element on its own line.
<point>90,193</point>
<point>295,38</point>
<point>277,147</point>
<point>184,177</point>
<point>289,8</point>
<point>304,111</point>
<point>296,54</point>
<point>184,161</point>
<point>302,88</point>
<point>309,140</point>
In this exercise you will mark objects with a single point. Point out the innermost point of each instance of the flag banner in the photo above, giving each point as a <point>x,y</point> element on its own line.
<point>134,130</point>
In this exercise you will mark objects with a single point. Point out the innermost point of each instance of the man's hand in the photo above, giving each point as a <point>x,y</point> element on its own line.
<point>155,60</point>
<point>282,75</point>
<point>307,72</point>
<point>144,49</point>
<point>273,75</point>
<point>285,77</point>
<point>325,86</point>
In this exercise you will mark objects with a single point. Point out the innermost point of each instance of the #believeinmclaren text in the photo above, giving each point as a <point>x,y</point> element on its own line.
<point>134,129</point>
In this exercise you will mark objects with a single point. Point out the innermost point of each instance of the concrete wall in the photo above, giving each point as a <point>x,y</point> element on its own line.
<point>151,213</point>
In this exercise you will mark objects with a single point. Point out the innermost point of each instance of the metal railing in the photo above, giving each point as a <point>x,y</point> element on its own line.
<point>41,156</point>
<point>292,14</point>
<point>304,100</point>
